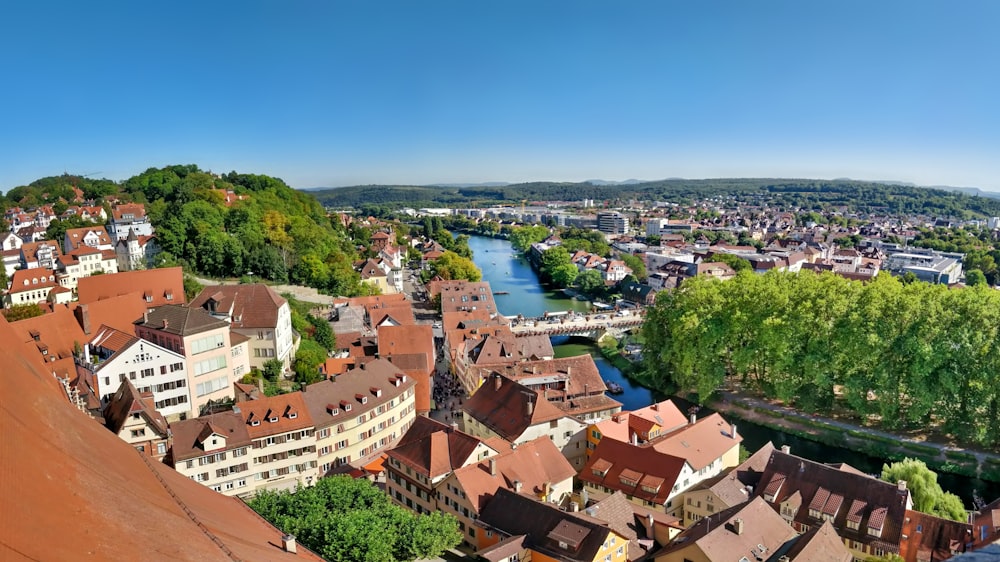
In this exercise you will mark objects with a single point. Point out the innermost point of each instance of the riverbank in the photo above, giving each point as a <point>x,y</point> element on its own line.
<point>940,457</point>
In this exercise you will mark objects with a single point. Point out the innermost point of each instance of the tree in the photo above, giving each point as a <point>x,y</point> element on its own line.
<point>928,497</point>
<point>553,258</point>
<point>523,237</point>
<point>322,332</point>
<point>974,277</point>
<point>637,266</point>
<point>22,312</point>
<point>307,361</point>
<point>564,275</point>
<point>453,266</point>
<point>347,519</point>
<point>191,287</point>
<point>732,260</point>
<point>590,282</point>
<point>272,369</point>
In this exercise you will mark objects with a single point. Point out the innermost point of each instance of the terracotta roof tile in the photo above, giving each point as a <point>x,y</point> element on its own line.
<point>508,408</point>
<point>154,284</point>
<point>432,448</point>
<point>248,306</point>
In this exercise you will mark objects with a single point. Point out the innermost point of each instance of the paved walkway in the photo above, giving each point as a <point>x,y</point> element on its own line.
<point>305,294</point>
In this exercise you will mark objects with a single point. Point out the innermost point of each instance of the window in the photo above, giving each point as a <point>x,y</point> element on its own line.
<point>209,365</point>
<point>207,343</point>
<point>161,448</point>
<point>139,432</point>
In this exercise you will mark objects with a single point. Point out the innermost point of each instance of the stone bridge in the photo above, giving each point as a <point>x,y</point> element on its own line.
<point>593,326</point>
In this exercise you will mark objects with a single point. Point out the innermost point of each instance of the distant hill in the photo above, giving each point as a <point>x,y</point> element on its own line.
<point>853,195</point>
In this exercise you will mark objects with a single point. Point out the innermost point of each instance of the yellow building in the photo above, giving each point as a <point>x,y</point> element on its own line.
<point>638,426</point>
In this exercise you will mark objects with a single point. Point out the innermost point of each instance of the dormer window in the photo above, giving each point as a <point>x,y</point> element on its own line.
<point>292,415</point>
<point>273,419</point>
<point>255,423</point>
<point>364,399</point>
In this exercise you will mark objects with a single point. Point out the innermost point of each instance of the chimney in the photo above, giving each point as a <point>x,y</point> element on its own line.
<point>497,382</point>
<point>694,418</point>
<point>165,323</point>
<point>574,507</point>
<point>517,486</point>
<point>82,314</point>
<point>529,406</point>
<point>569,371</point>
<point>738,526</point>
<point>901,485</point>
<point>145,317</point>
<point>648,524</point>
<point>786,449</point>
<point>288,543</point>
<point>732,433</point>
<point>454,426</point>
<point>493,466</point>
<point>655,407</point>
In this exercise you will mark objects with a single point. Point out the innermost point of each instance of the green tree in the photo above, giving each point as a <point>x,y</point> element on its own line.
<point>322,332</point>
<point>350,520</point>
<point>272,369</point>
<point>523,237</point>
<point>590,282</point>
<point>553,258</point>
<point>974,277</point>
<point>636,264</point>
<point>307,361</point>
<point>732,260</point>
<point>453,266</point>
<point>564,275</point>
<point>22,312</point>
<point>928,497</point>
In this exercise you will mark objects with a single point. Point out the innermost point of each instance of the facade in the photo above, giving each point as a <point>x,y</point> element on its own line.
<point>215,451</point>
<point>283,441</point>
<point>359,414</point>
<point>90,236</point>
<point>257,312</point>
<point>42,254</point>
<point>131,416</point>
<point>205,342</point>
<point>135,252</point>
<point>130,217</point>
<point>35,286</point>
<point>612,222</point>
<point>84,262</point>
<point>114,357</point>
<point>726,490</point>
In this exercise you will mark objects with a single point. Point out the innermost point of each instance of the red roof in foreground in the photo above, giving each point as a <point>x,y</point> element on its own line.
<point>69,485</point>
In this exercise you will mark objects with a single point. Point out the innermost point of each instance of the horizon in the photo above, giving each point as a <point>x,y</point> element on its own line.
<point>395,93</point>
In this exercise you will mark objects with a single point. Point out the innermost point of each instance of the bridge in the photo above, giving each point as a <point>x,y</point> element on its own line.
<point>592,326</point>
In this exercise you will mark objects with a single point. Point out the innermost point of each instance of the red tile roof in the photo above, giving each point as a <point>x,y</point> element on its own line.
<point>275,414</point>
<point>432,448</point>
<point>159,286</point>
<point>252,306</point>
<point>72,479</point>
<point>508,408</point>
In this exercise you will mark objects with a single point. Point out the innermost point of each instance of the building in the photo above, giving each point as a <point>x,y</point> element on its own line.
<point>283,450</point>
<point>216,451</point>
<point>866,512</point>
<point>654,474</point>
<point>360,414</point>
<point>84,261</point>
<point>91,236</point>
<point>131,416</point>
<point>517,414</point>
<point>39,254</point>
<point>129,217</point>
<point>931,267</point>
<point>411,350</point>
<point>257,312</point>
<point>214,363</point>
<point>35,286</point>
<point>135,252</point>
<point>541,531</point>
<point>424,456</point>
<point>535,467</point>
<point>725,490</point>
<point>637,426</point>
<point>612,222</point>
<point>114,357</point>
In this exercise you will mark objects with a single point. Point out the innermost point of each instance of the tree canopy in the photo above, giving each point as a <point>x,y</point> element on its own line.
<point>350,520</point>
<point>928,497</point>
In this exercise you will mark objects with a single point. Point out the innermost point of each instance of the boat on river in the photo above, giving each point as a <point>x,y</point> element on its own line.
<point>614,388</point>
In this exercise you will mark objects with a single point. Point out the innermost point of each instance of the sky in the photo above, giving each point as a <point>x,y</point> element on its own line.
<point>369,92</point>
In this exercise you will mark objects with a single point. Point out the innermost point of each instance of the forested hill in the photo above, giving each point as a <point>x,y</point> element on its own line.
<point>266,229</point>
<point>856,196</point>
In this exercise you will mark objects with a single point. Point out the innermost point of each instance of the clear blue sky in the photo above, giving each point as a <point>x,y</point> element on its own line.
<point>342,93</point>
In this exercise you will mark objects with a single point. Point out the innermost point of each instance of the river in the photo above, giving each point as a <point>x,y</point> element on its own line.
<point>506,271</point>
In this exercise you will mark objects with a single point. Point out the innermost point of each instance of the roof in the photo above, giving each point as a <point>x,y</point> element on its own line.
<point>327,400</point>
<point>112,339</point>
<point>400,313</point>
<point>159,286</point>
<point>547,530</point>
<point>735,486</point>
<point>180,320</point>
<point>138,210</point>
<point>127,401</point>
<point>735,532</point>
<point>501,346</point>
<point>509,408</point>
<point>54,335</point>
<point>253,305</point>
<point>73,480</point>
<point>621,426</point>
<point>933,538</point>
<point>532,465</point>
<point>651,473</point>
<point>32,280</point>
<point>432,448</point>
<point>116,312</point>
<point>701,443</point>
<point>189,434</point>
<point>75,236</point>
<point>867,500</point>
<point>819,544</point>
<point>270,415</point>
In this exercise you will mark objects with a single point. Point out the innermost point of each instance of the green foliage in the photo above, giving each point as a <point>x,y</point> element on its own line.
<point>897,354</point>
<point>552,259</point>
<point>191,287</point>
<point>22,312</point>
<point>732,260</point>
<point>637,266</point>
<point>974,277</point>
<point>590,283</point>
<point>928,497</point>
<point>350,520</point>
<point>453,266</point>
<point>564,275</point>
<point>272,369</point>
<point>307,361</point>
<point>57,228</point>
<point>322,332</point>
<point>890,557</point>
<point>523,237</point>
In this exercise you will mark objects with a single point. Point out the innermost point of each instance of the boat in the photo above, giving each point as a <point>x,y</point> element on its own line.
<point>501,292</point>
<point>581,297</point>
<point>614,388</point>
